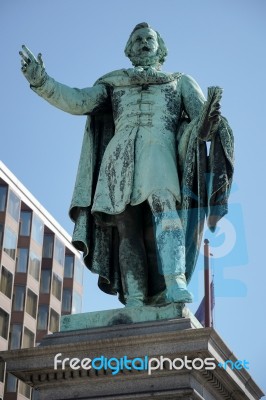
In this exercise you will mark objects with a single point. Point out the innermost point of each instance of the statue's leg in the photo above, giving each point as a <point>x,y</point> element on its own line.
<point>132,256</point>
<point>156,282</point>
<point>170,240</point>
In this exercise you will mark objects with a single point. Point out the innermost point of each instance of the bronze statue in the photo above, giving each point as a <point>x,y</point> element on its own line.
<point>145,183</point>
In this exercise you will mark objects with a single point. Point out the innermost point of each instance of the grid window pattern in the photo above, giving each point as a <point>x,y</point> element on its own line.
<point>6,282</point>
<point>37,256</point>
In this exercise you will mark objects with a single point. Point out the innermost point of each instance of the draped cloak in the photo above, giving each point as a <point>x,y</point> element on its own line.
<point>205,181</point>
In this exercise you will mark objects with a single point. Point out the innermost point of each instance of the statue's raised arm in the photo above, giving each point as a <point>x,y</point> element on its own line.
<point>71,100</point>
<point>33,68</point>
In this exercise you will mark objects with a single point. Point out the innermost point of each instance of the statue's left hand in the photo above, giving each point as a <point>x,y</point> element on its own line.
<point>215,114</point>
<point>211,119</point>
<point>33,68</point>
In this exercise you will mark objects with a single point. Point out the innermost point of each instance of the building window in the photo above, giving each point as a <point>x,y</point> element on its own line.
<point>28,339</point>
<point>57,286</point>
<point>78,272</point>
<point>6,282</point>
<point>31,304</point>
<point>66,300</point>
<point>4,322</point>
<point>35,394</point>
<point>45,281</point>
<point>13,205</point>
<point>11,383</point>
<point>69,266</point>
<point>34,266</point>
<point>3,194</point>
<point>10,243</point>
<point>77,303</point>
<point>54,321</point>
<point>24,389</point>
<point>42,321</point>
<point>1,234</point>
<point>59,252</point>
<point>18,298</point>
<point>25,223</point>
<point>2,371</point>
<point>48,245</point>
<point>37,229</point>
<point>22,259</point>
<point>15,336</point>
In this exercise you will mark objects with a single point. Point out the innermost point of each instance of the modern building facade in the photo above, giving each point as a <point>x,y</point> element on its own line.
<point>41,275</point>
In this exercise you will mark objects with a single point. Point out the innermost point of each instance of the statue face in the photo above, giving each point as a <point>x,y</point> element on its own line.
<point>144,44</point>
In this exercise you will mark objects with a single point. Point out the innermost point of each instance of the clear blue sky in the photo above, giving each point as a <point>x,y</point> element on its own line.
<point>218,43</point>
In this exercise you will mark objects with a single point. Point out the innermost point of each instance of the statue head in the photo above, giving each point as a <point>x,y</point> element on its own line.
<point>145,47</point>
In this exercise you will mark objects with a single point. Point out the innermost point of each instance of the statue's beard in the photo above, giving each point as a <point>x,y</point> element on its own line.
<point>146,61</point>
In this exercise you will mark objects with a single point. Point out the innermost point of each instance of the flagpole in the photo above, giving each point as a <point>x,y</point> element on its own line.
<point>207,283</point>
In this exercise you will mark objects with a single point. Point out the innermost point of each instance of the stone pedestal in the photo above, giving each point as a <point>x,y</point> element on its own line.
<point>174,339</point>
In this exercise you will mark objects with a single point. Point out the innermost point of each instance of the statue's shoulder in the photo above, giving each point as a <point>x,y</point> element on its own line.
<point>118,77</point>
<point>188,80</point>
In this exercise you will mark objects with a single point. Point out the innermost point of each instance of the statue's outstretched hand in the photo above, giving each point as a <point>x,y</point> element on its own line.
<point>33,68</point>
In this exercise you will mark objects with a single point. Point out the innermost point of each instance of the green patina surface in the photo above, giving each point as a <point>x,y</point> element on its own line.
<point>125,316</point>
<point>145,183</point>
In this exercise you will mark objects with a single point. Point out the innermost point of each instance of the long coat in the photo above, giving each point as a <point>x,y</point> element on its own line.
<point>205,179</point>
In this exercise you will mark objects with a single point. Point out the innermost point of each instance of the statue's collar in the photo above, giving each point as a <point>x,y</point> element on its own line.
<point>150,75</point>
<point>138,76</point>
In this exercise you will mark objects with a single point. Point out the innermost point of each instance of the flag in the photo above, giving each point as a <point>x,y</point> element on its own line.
<point>200,313</point>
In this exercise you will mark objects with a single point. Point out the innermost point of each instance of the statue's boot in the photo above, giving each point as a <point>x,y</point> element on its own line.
<point>176,289</point>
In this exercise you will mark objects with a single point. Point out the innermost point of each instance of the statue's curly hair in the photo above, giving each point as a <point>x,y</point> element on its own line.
<point>162,50</point>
